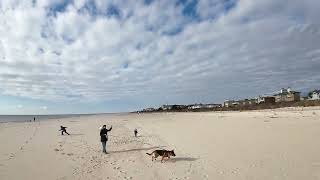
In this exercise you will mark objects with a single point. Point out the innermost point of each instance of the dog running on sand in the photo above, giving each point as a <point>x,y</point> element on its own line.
<point>163,153</point>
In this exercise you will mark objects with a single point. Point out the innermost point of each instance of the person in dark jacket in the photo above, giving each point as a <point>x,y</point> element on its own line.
<point>63,130</point>
<point>135,132</point>
<point>104,137</point>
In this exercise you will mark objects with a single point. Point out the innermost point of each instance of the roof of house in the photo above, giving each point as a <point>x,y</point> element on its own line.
<point>266,96</point>
<point>286,93</point>
<point>316,91</point>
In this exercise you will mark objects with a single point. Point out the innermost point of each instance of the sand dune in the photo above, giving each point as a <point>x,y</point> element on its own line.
<point>268,144</point>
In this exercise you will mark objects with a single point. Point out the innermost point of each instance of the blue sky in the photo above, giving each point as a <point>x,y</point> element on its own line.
<point>89,56</point>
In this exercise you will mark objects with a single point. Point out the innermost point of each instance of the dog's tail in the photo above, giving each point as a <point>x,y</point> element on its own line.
<point>148,154</point>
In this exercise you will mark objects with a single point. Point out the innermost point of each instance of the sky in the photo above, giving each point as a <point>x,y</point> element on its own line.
<point>94,56</point>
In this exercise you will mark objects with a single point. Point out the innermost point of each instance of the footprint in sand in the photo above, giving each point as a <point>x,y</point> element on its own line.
<point>11,156</point>
<point>206,176</point>
<point>129,160</point>
<point>70,154</point>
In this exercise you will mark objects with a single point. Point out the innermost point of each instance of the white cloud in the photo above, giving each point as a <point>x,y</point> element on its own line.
<point>256,46</point>
<point>19,106</point>
<point>44,108</point>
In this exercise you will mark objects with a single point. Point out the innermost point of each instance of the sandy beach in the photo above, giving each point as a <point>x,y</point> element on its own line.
<point>268,144</point>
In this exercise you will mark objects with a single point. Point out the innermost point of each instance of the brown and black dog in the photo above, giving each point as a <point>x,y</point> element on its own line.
<point>163,153</point>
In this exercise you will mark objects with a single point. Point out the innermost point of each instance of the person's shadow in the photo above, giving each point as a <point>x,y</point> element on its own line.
<point>75,134</point>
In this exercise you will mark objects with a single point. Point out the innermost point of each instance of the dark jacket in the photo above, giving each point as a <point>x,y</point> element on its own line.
<point>104,134</point>
<point>63,128</point>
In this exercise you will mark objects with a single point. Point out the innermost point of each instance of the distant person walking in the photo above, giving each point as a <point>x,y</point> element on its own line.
<point>135,132</point>
<point>63,130</point>
<point>34,119</point>
<point>104,137</point>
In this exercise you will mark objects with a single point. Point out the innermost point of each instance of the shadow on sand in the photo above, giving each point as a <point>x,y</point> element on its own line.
<point>76,134</point>
<point>137,149</point>
<point>173,160</point>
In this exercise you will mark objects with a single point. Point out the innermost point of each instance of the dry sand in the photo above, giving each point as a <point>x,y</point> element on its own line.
<point>270,144</point>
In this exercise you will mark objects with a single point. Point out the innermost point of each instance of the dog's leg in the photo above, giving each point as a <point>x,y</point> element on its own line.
<point>162,158</point>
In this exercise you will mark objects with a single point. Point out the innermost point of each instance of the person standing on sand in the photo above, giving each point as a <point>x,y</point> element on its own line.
<point>135,132</point>
<point>63,130</point>
<point>34,119</point>
<point>104,137</point>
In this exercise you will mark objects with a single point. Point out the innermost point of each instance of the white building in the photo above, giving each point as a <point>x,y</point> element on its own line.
<point>204,106</point>
<point>196,106</point>
<point>166,107</point>
<point>315,95</point>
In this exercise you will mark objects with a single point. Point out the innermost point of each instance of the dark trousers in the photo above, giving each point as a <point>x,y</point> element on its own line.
<point>64,132</point>
<point>104,146</point>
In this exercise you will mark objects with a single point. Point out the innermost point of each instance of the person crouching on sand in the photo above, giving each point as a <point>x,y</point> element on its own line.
<point>104,137</point>
<point>63,130</point>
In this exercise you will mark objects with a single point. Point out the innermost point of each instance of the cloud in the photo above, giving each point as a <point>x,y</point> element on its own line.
<point>160,51</point>
<point>19,106</point>
<point>44,108</point>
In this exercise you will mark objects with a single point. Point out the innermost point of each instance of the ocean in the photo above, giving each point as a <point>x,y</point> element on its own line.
<point>26,118</point>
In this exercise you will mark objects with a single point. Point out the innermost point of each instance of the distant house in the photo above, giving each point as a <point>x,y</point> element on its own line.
<point>195,106</point>
<point>211,106</point>
<point>149,110</point>
<point>230,103</point>
<point>166,107</point>
<point>247,102</point>
<point>178,107</point>
<point>266,100</point>
<point>203,106</point>
<point>287,95</point>
<point>315,95</point>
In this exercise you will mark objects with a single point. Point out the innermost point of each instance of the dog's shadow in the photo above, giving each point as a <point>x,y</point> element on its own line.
<point>179,159</point>
<point>133,150</point>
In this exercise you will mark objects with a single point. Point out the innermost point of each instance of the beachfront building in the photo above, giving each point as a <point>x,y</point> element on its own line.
<point>204,106</point>
<point>194,106</point>
<point>230,103</point>
<point>287,95</point>
<point>166,107</point>
<point>227,103</point>
<point>247,102</point>
<point>212,106</point>
<point>315,95</point>
<point>266,100</point>
<point>149,110</point>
